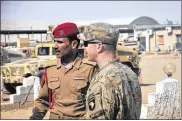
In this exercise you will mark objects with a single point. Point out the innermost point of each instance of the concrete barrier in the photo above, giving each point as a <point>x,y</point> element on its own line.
<point>2,87</point>
<point>28,92</point>
<point>8,107</point>
<point>165,102</point>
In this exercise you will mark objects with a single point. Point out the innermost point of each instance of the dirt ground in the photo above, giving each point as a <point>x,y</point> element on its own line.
<point>152,72</point>
<point>19,114</point>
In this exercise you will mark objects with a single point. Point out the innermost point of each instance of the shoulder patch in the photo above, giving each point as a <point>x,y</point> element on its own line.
<point>91,102</point>
<point>86,61</point>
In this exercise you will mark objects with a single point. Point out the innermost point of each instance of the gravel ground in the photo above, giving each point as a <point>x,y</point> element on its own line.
<point>19,114</point>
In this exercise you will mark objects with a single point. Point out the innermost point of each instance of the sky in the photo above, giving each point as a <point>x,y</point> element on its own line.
<point>55,11</point>
<point>39,14</point>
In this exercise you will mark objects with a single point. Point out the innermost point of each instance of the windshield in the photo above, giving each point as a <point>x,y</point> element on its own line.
<point>53,51</point>
<point>43,51</point>
<point>49,36</point>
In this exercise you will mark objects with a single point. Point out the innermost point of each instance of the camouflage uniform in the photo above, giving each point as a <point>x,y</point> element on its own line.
<point>110,95</point>
<point>114,92</point>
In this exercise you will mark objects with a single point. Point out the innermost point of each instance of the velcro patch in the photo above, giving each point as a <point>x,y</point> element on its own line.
<point>91,102</point>
<point>79,78</point>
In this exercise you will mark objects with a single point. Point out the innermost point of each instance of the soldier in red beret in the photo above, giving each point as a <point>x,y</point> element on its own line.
<point>64,85</point>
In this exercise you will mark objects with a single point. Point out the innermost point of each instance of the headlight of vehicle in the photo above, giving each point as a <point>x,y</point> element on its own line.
<point>15,71</point>
<point>32,69</point>
<point>18,71</point>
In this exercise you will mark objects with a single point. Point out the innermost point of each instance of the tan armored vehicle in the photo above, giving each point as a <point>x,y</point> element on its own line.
<point>129,57</point>
<point>13,73</point>
<point>130,44</point>
<point>9,55</point>
<point>28,51</point>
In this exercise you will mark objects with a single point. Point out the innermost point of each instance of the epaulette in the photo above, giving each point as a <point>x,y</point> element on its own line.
<point>49,63</point>
<point>48,66</point>
<point>86,61</point>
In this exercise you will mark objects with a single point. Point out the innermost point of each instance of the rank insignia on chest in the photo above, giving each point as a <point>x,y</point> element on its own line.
<point>91,102</point>
<point>79,78</point>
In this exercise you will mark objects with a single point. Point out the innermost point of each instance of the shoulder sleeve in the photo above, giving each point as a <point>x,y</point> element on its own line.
<point>49,63</point>
<point>42,101</point>
<point>86,61</point>
<point>105,101</point>
<point>93,68</point>
<point>48,66</point>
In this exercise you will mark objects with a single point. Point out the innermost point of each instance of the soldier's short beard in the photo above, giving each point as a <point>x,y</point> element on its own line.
<point>67,58</point>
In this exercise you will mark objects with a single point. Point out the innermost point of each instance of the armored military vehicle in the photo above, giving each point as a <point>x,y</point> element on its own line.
<point>8,55</point>
<point>13,73</point>
<point>28,51</point>
<point>129,57</point>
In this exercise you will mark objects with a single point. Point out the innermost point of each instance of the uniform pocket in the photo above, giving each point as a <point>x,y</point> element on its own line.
<point>54,83</point>
<point>78,85</point>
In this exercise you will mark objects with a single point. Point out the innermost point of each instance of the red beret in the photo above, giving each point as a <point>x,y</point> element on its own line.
<point>65,29</point>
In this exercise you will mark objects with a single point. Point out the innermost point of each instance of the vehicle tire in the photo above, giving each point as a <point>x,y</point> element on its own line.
<point>10,87</point>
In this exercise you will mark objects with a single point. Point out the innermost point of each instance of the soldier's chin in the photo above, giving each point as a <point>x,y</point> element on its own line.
<point>90,59</point>
<point>58,55</point>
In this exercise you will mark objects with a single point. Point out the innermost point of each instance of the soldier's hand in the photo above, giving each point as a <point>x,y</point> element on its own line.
<point>37,115</point>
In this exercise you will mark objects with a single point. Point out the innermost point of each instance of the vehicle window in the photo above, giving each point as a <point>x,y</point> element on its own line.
<point>24,51</point>
<point>43,51</point>
<point>53,51</point>
<point>49,36</point>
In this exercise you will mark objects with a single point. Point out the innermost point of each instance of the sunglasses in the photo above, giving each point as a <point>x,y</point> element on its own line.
<point>85,43</point>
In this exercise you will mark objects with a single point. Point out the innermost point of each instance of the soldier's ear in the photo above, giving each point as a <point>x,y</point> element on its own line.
<point>100,48</point>
<point>74,44</point>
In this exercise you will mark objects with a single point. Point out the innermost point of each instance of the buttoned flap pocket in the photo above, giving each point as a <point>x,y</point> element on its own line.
<point>78,84</point>
<point>54,83</point>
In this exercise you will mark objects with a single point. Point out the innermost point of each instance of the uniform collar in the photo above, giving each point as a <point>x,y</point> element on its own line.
<point>76,62</point>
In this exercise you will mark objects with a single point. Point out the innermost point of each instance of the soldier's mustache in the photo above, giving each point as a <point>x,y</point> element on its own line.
<point>56,50</point>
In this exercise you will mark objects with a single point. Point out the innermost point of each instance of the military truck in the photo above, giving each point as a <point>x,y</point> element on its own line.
<point>129,57</point>
<point>28,51</point>
<point>9,55</point>
<point>13,73</point>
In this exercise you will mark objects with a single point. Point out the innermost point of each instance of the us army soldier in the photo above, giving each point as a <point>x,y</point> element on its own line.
<point>114,92</point>
<point>64,85</point>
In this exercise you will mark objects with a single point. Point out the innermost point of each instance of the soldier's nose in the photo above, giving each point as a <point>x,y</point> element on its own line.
<point>83,47</point>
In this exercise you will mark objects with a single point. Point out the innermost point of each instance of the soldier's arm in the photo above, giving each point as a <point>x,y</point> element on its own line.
<point>41,103</point>
<point>105,102</point>
<point>93,70</point>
